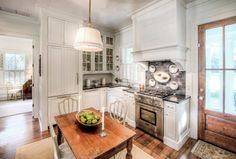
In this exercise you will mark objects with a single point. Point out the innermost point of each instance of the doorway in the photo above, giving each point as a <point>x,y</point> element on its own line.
<point>217,83</point>
<point>16,75</point>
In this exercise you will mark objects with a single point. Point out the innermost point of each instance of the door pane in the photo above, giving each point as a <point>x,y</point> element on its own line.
<point>214,42</point>
<point>214,90</point>
<point>230,46</point>
<point>230,92</point>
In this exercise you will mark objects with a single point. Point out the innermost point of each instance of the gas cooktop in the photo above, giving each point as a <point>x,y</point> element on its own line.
<point>155,93</point>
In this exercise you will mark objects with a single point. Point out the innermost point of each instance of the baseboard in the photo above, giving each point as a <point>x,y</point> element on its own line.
<point>174,144</point>
<point>131,122</point>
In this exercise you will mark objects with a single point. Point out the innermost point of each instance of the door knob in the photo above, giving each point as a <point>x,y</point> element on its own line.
<point>201,97</point>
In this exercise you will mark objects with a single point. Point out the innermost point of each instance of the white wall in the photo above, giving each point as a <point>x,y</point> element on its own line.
<point>124,40</point>
<point>200,12</point>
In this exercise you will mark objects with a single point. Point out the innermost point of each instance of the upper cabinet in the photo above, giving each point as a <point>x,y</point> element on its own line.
<point>70,33</point>
<point>100,62</point>
<point>55,31</point>
<point>62,58</point>
<point>61,32</point>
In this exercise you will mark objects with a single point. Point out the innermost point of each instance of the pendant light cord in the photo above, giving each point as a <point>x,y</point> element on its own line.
<point>89,12</point>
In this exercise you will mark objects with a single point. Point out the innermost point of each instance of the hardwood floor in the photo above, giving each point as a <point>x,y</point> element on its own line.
<point>18,130</point>
<point>158,150</point>
<point>22,129</point>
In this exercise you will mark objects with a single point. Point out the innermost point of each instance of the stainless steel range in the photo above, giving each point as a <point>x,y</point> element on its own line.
<point>149,112</point>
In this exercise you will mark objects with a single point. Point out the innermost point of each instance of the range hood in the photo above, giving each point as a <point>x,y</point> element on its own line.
<point>173,53</point>
<point>159,32</point>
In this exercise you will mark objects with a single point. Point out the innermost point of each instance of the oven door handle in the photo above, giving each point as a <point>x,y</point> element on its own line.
<point>148,107</point>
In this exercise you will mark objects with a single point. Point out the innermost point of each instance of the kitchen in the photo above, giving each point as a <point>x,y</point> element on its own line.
<point>150,64</point>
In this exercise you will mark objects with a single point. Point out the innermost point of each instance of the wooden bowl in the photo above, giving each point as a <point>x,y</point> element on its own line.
<point>88,125</point>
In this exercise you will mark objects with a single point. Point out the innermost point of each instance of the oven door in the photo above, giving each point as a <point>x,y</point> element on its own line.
<point>150,119</point>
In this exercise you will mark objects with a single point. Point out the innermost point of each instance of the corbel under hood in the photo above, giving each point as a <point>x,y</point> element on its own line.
<point>174,53</point>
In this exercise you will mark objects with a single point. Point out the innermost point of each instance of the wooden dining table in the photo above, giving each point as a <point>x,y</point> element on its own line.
<point>88,144</point>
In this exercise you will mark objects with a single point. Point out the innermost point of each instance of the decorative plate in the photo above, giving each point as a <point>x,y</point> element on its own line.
<point>173,85</point>
<point>173,69</point>
<point>152,68</point>
<point>161,77</point>
<point>152,82</point>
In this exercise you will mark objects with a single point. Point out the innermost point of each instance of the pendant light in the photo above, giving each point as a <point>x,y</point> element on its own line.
<point>88,38</point>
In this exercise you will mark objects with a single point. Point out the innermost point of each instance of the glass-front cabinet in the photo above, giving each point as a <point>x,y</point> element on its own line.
<point>87,61</point>
<point>100,62</point>
<point>109,59</point>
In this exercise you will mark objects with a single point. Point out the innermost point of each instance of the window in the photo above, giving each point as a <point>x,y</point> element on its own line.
<point>14,68</point>
<point>129,70</point>
<point>220,70</point>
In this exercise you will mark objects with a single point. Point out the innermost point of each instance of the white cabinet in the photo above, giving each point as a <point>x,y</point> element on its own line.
<point>176,123</point>
<point>61,32</point>
<point>53,106</point>
<point>130,103</point>
<point>70,76</point>
<point>62,71</point>
<point>54,71</point>
<point>91,98</point>
<point>100,62</point>
<point>55,31</point>
<point>70,33</point>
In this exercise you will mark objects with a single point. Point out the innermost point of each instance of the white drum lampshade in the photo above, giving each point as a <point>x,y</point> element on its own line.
<point>88,39</point>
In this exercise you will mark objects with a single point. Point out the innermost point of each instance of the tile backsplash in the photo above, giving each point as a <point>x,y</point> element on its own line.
<point>163,66</point>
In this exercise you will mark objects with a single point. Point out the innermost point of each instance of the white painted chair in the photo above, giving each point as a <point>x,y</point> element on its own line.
<point>62,151</point>
<point>118,111</point>
<point>68,105</point>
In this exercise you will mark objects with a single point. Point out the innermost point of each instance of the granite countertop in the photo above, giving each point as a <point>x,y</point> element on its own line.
<point>131,90</point>
<point>109,85</point>
<point>176,98</point>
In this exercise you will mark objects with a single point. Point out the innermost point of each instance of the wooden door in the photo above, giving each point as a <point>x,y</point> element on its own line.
<point>217,83</point>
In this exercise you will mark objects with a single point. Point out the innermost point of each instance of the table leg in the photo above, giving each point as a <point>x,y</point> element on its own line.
<point>129,148</point>
<point>59,136</point>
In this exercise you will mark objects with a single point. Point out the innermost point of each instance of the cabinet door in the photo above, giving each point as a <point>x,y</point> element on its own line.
<point>87,61</point>
<point>98,60</point>
<point>70,33</point>
<point>169,125</point>
<point>54,71</point>
<point>131,108</point>
<point>91,98</point>
<point>109,59</point>
<point>103,97</point>
<point>55,31</point>
<point>52,109</point>
<point>70,68</point>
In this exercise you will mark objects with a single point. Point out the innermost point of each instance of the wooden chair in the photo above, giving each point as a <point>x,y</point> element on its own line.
<point>62,151</point>
<point>118,111</point>
<point>68,105</point>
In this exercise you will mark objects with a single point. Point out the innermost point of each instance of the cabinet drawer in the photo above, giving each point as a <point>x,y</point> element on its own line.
<point>169,106</point>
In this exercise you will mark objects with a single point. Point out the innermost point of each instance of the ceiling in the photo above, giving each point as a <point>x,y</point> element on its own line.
<point>111,14</point>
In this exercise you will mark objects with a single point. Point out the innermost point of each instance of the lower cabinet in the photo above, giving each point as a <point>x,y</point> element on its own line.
<point>91,98</point>
<point>97,98</point>
<point>176,124</point>
<point>130,103</point>
<point>53,103</point>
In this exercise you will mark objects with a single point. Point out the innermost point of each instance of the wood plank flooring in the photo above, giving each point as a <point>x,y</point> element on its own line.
<point>22,129</point>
